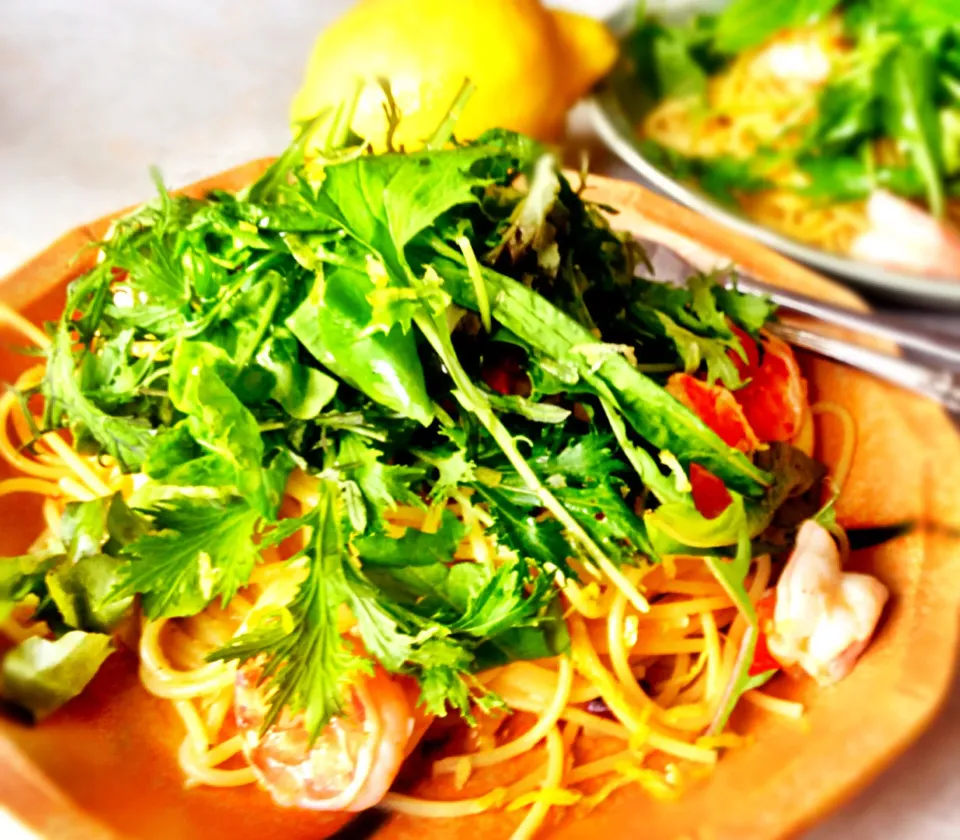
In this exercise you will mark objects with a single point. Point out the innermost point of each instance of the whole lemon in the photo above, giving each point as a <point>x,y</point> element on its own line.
<point>528,64</point>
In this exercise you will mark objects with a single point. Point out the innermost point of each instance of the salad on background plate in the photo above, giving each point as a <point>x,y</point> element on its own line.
<point>394,467</point>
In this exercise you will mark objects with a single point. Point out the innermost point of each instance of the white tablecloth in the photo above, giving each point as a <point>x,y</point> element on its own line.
<point>93,92</point>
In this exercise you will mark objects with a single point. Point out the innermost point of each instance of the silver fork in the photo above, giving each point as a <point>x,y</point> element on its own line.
<point>938,383</point>
<point>936,375</point>
<point>930,376</point>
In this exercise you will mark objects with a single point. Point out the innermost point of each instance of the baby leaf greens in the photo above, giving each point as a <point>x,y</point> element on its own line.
<point>452,334</point>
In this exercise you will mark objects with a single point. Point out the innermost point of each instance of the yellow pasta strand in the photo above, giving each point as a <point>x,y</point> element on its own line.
<point>530,738</point>
<point>28,466</point>
<point>76,491</point>
<point>28,485</point>
<point>598,767</point>
<point>776,705</point>
<point>538,812</point>
<point>440,809</point>
<point>616,633</point>
<point>714,664</point>
<point>848,425</point>
<point>198,771</point>
<point>15,320</point>
<point>77,464</point>
<point>161,678</point>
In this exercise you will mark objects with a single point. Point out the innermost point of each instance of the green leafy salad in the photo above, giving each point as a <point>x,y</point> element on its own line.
<point>827,101</point>
<point>455,330</point>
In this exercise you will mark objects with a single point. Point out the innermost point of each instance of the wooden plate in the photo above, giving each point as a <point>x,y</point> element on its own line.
<point>105,764</point>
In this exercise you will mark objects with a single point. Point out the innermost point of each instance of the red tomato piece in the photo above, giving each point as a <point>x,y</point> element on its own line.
<point>710,494</point>
<point>763,660</point>
<point>505,374</point>
<point>750,349</point>
<point>498,379</point>
<point>716,406</point>
<point>775,398</point>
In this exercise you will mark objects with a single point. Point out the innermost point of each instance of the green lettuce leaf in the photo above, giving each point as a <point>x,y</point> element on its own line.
<point>333,324</point>
<point>216,419</point>
<point>413,548</point>
<point>82,591</point>
<point>40,675</point>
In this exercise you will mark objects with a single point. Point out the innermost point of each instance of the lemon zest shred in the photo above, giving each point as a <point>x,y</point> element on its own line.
<point>554,797</point>
<point>651,781</point>
<point>725,740</point>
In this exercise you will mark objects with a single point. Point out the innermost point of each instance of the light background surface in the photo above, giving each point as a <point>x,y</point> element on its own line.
<point>93,92</point>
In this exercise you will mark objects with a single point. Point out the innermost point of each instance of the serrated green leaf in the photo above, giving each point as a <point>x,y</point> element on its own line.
<point>126,439</point>
<point>196,551</point>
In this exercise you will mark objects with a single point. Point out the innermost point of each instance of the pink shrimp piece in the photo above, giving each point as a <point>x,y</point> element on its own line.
<point>353,761</point>
<point>824,617</point>
<point>902,236</point>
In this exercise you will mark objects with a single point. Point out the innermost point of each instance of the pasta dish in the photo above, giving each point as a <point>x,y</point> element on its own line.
<point>393,456</point>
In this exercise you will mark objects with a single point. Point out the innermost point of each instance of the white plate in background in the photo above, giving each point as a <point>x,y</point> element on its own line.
<point>607,112</point>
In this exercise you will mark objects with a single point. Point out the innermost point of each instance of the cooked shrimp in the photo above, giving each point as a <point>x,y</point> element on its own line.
<point>824,617</point>
<point>902,236</point>
<point>353,761</point>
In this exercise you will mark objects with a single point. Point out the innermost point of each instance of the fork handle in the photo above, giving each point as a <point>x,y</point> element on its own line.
<point>862,322</point>
<point>938,384</point>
